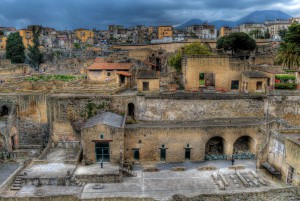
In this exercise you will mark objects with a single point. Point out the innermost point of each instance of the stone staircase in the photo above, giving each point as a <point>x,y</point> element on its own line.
<point>18,182</point>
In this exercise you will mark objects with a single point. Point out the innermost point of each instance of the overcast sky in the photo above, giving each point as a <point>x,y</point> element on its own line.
<point>72,14</point>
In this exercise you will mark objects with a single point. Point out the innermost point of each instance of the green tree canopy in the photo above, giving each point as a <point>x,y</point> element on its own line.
<point>35,56</point>
<point>15,48</point>
<point>236,42</point>
<point>191,49</point>
<point>289,51</point>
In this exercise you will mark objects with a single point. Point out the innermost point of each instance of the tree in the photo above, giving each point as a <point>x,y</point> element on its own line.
<point>289,51</point>
<point>282,33</point>
<point>191,49</point>
<point>35,56</point>
<point>236,42</point>
<point>15,48</point>
<point>256,33</point>
<point>289,55</point>
<point>267,34</point>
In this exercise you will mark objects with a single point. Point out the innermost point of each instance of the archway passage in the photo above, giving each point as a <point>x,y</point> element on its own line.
<point>214,149</point>
<point>131,109</point>
<point>4,111</point>
<point>244,148</point>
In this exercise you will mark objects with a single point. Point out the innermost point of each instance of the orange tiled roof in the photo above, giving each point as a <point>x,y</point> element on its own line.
<point>124,73</point>
<point>110,66</point>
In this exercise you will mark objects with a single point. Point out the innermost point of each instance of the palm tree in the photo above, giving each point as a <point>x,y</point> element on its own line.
<point>289,55</point>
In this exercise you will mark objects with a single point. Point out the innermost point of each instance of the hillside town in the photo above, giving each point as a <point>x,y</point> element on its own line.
<point>195,111</point>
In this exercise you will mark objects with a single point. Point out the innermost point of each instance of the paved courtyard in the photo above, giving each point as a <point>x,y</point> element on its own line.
<point>50,170</point>
<point>6,169</point>
<point>160,185</point>
<point>165,183</point>
<point>60,154</point>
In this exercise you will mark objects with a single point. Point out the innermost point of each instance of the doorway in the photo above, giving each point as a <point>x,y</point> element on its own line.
<point>187,154</point>
<point>136,154</point>
<point>102,151</point>
<point>163,154</point>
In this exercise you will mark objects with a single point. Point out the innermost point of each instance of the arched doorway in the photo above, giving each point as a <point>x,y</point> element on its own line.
<point>4,111</point>
<point>131,109</point>
<point>244,148</point>
<point>214,149</point>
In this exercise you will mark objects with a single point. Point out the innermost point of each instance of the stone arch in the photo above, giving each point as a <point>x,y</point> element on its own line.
<point>131,109</point>
<point>4,111</point>
<point>215,145</point>
<point>244,144</point>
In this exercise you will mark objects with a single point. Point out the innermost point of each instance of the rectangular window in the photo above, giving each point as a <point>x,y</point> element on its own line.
<point>145,86</point>
<point>234,85</point>
<point>108,73</point>
<point>258,85</point>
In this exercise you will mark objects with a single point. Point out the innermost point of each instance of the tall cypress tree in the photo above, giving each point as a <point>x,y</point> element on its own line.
<point>15,50</point>
<point>35,56</point>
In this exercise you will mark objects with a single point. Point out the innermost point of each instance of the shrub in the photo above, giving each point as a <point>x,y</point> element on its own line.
<point>289,86</point>
<point>285,78</point>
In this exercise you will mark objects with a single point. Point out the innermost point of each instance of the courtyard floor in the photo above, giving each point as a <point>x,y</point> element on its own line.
<point>6,169</point>
<point>164,184</point>
<point>158,185</point>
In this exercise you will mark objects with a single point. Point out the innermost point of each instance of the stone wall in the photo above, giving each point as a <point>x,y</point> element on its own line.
<point>194,110</point>
<point>286,107</point>
<point>149,139</point>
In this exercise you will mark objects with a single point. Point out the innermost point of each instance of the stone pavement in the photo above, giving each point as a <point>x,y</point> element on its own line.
<point>30,190</point>
<point>7,169</point>
<point>95,169</point>
<point>60,154</point>
<point>50,170</point>
<point>164,184</point>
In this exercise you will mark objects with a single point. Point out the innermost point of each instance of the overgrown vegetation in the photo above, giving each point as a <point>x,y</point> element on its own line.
<point>191,49</point>
<point>92,108</point>
<point>65,78</point>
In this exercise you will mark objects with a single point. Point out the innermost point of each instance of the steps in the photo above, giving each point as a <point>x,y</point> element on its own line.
<point>18,182</point>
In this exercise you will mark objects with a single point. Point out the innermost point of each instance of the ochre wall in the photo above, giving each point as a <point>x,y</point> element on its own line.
<point>116,145</point>
<point>224,69</point>
<point>153,85</point>
<point>176,139</point>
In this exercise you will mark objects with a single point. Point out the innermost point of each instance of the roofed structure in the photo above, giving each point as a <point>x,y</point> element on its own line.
<point>147,74</point>
<point>270,69</point>
<point>110,66</point>
<point>107,118</point>
<point>255,74</point>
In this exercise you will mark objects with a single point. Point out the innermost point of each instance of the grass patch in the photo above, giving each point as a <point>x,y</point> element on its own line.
<point>65,78</point>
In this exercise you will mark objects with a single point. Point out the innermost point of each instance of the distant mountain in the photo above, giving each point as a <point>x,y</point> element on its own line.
<point>261,16</point>
<point>221,23</point>
<point>258,17</point>
<point>190,23</point>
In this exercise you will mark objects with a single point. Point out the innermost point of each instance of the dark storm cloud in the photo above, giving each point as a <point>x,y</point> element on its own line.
<point>71,14</point>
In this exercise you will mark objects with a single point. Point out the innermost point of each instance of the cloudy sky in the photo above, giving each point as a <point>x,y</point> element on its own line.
<point>71,14</point>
